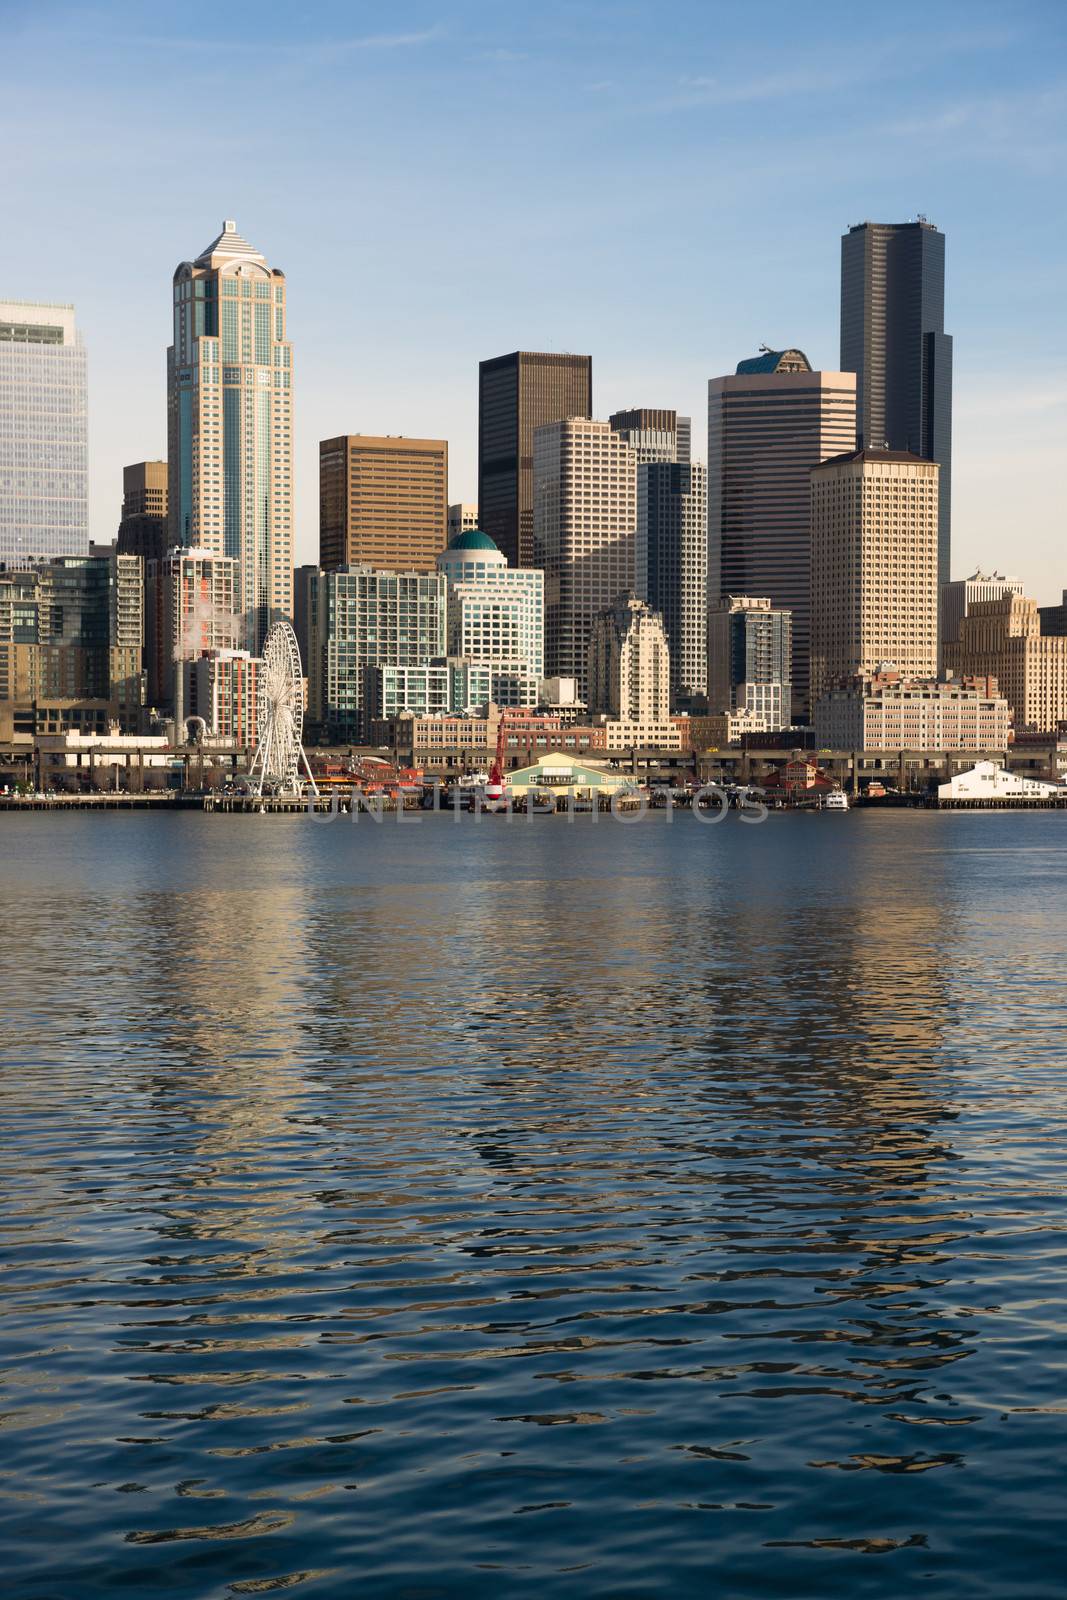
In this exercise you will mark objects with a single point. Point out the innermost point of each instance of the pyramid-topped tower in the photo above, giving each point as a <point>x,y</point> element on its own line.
<point>229,379</point>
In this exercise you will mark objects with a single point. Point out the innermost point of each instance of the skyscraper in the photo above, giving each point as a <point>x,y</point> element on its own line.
<point>958,596</point>
<point>629,672</point>
<point>893,338</point>
<point>359,618</point>
<point>654,435</point>
<point>44,444</point>
<point>873,567</point>
<point>585,516</point>
<point>191,599</point>
<point>143,530</point>
<point>229,378</point>
<point>671,562</point>
<point>517,393</point>
<point>383,502</point>
<point>768,425</point>
<point>750,658</point>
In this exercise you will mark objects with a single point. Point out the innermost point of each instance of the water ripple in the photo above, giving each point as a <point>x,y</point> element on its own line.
<point>560,1211</point>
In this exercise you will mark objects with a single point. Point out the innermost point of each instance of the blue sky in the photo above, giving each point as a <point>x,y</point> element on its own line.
<point>662,185</point>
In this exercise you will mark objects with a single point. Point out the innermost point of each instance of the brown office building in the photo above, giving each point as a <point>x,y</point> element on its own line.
<point>517,394</point>
<point>382,502</point>
<point>143,529</point>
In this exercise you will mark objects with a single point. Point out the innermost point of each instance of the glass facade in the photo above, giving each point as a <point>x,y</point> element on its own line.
<point>73,628</point>
<point>230,424</point>
<point>750,649</point>
<point>44,444</point>
<point>360,618</point>
<point>893,338</point>
<point>517,394</point>
<point>671,563</point>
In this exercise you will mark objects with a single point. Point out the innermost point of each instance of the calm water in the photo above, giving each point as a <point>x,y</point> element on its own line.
<point>533,1209</point>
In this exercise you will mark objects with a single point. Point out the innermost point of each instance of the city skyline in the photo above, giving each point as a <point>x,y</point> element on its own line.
<point>756,261</point>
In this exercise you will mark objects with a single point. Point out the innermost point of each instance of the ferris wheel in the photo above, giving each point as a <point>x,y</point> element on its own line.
<point>280,717</point>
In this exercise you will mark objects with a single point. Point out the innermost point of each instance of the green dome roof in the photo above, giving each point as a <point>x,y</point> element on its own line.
<point>473,539</point>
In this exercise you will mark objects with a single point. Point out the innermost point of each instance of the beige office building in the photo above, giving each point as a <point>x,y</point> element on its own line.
<point>629,663</point>
<point>230,454</point>
<point>1003,638</point>
<point>958,597</point>
<point>585,521</point>
<point>462,518</point>
<point>383,502</point>
<point>888,712</point>
<point>873,567</point>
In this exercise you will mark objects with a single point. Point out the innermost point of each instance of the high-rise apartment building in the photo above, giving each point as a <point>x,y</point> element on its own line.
<point>44,435</point>
<point>654,435</point>
<point>671,563</point>
<point>383,502</point>
<point>873,567</point>
<point>143,530</point>
<point>451,687</point>
<point>221,687</point>
<point>192,600</point>
<point>461,517</point>
<point>517,394</point>
<point>629,663</point>
<point>495,615</point>
<point>958,596</point>
<point>229,424</point>
<point>893,338</point>
<point>750,654</point>
<point>585,519</point>
<point>359,617</point>
<point>768,425</point>
<point>73,629</point>
<point>1002,639</point>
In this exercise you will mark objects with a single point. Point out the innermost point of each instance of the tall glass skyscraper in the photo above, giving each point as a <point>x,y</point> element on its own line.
<point>893,338</point>
<point>44,435</point>
<point>229,382</point>
<point>671,562</point>
<point>517,394</point>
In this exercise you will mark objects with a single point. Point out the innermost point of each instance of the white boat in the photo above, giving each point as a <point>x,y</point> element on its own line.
<point>836,800</point>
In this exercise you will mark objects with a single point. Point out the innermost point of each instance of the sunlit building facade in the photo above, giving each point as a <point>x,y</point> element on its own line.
<point>44,437</point>
<point>229,378</point>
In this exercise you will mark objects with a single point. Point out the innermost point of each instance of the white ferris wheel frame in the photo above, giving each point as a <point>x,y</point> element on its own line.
<point>280,717</point>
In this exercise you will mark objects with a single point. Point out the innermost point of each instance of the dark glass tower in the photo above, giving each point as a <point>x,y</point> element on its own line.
<point>516,394</point>
<point>671,562</point>
<point>893,338</point>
